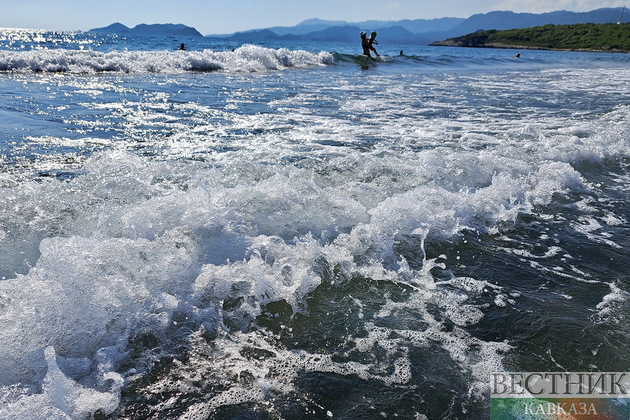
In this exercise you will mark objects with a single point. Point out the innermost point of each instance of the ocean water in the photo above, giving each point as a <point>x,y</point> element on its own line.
<point>291,231</point>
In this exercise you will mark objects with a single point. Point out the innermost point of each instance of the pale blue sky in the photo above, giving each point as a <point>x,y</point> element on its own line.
<point>228,16</point>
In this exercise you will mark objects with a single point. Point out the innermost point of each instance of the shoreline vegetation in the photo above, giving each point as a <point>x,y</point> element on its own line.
<point>607,37</point>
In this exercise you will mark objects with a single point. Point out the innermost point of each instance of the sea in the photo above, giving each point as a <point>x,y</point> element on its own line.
<point>289,230</point>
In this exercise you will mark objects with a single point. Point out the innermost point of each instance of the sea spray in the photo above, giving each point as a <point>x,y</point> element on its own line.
<point>247,58</point>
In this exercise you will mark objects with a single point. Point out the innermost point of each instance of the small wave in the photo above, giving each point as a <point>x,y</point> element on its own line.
<point>362,60</point>
<point>435,58</point>
<point>424,60</point>
<point>247,58</point>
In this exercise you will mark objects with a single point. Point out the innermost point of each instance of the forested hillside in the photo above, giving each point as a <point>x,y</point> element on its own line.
<point>585,36</point>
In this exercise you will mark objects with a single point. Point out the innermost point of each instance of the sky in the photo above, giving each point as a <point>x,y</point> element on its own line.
<point>229,16</point>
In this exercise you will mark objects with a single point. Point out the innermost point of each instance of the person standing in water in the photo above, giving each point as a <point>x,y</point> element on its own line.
<point>367,43</point>
<point>373,42</point>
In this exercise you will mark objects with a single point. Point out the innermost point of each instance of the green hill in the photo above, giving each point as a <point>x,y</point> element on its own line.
<point>581,37</point>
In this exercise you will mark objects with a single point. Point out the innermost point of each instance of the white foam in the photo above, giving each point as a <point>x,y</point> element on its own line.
<point>610,309</point>
<point>63,398</point>
<point>247,58</point>
<point>138,249</point>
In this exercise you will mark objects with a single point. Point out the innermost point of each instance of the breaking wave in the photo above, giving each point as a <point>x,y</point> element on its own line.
<point>247,58</point>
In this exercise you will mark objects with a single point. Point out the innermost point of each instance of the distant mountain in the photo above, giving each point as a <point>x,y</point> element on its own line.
<point>511,20</point>
<point>155,29</point>
<point>112,29</point>
<point>327,23</point>
<point>253,36</point>
<point>165,29</point>
<point>433,25</point>
<point>316,25</point>
<point>423,31</point>
<point>336,34</point>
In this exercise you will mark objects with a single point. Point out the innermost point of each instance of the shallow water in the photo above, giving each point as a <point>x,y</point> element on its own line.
<point>280,232</point>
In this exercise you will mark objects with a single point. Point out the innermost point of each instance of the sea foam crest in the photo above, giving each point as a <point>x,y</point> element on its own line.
<point>129,268</point>
<point>247,58</point>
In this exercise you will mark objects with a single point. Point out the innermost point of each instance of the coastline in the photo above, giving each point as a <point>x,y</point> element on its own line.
<point>453,43</point>
<point>608,37</point>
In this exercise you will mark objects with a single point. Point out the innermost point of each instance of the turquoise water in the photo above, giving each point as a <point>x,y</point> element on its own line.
<point>289,231</point>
